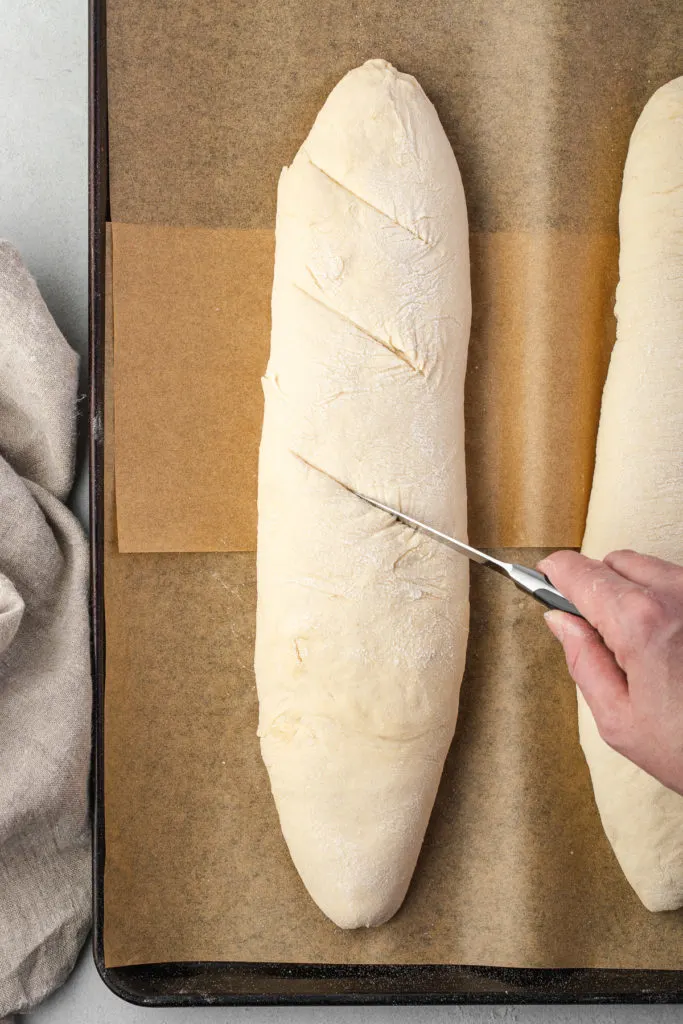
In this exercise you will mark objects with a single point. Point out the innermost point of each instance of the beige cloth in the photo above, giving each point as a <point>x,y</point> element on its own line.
<point>45,690</point>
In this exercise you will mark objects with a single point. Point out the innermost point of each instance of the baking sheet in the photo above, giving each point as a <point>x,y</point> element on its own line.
<point>206,103</point>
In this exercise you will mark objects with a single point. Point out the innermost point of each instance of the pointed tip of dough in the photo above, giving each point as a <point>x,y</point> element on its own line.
<point>641,819</point>
<point>378,136</point>
<point>353,819</point>
<point>658,885</point>
<point>351,907</point>
<point>384,69</point>
<point>378,64</point>
<point>354,889</point>
<point>658,900</point>
<point>371,89</point>
<point>379,74</point>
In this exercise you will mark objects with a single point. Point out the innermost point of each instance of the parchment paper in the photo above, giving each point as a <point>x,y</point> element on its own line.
<point>207,102</point>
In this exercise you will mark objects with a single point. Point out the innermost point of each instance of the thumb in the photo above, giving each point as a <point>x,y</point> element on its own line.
<point>595,671</point>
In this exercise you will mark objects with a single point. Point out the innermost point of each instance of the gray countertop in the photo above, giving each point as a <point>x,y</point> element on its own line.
<point>43,210</point>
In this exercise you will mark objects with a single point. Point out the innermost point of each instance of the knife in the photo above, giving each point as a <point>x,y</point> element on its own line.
<point>529,580</point>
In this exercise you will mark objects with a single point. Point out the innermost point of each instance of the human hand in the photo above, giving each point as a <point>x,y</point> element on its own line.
<point>627,658</point>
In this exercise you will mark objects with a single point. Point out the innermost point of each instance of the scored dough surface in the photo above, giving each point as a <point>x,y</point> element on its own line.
<point>361,623</point>
<point>637,496</point>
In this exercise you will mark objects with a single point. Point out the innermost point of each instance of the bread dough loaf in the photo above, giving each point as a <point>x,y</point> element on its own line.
<point>637,496</point>
<point>361,623</point>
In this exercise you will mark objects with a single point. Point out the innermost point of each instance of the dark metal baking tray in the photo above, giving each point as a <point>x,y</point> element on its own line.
<point>221,983</point>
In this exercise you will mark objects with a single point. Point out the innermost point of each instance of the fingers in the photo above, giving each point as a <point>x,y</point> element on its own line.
<point>597,590</point>
<point>594,670</point>
<point>645,570</point>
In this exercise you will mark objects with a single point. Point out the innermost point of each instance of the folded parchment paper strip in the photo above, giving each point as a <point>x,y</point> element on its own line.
<point>192,335</point>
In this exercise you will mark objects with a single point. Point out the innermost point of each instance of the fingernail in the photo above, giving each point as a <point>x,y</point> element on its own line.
<point>555,621</point>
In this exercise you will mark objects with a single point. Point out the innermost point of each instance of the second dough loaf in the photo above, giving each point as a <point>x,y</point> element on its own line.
<point>637,496</point>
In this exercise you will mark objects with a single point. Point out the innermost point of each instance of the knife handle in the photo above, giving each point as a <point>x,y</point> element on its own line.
<point>540,587</point>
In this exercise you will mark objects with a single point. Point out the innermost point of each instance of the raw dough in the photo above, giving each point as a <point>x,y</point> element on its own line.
<point>361,623</point>
<point>637,496</point>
